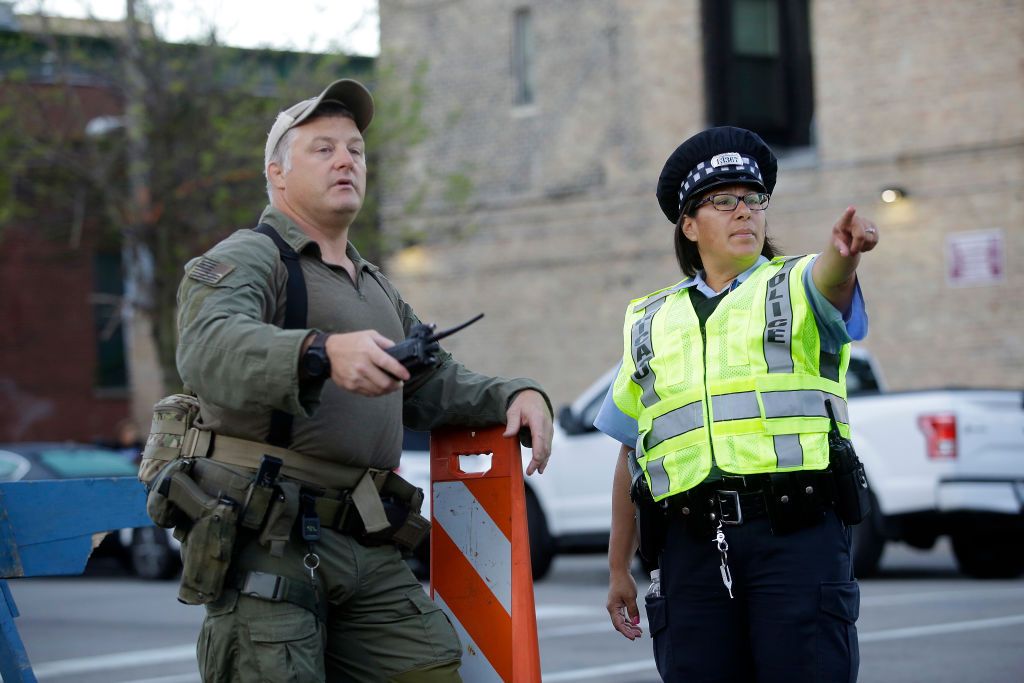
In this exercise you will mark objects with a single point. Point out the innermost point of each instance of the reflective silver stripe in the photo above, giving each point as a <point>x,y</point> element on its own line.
<point>802,403</point>
<point>788,450</point>
<point>659,477</point>
<point>675,422</point>
<point>778,315</point>
<point>799,403</point>
<point>643,352</point>
<point>661,295</point>
<point>740,406</point>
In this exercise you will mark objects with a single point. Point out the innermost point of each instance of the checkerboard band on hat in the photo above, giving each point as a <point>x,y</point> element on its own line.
<point>714,157</point>
<point>708,169</point>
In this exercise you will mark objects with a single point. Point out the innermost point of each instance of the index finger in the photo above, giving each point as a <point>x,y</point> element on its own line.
<point>859,236</point>
<point>846,220</point>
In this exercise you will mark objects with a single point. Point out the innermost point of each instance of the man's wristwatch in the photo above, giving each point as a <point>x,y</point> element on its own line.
<point>314,363</point>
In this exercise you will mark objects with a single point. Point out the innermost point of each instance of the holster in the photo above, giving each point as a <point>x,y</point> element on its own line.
<point>852,496</point>
<point>206,553</point>
<point>205,523</point>
<point>159,506</point>
<point>651,517</point>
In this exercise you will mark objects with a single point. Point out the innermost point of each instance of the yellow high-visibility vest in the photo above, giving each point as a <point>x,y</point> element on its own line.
<point>750,400</point>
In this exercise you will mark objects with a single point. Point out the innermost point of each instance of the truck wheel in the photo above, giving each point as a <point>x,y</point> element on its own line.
<point>152,557</point>
<point>988,555</point>
<point>542,547</point>
<point>868,542</point>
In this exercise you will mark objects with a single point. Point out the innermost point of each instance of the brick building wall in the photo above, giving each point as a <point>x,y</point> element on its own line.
<point>48,351</point>
<point>51,387</point>
<point>562,228</point>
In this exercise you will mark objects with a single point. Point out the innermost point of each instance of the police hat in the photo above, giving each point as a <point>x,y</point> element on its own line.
<point>716,156</point>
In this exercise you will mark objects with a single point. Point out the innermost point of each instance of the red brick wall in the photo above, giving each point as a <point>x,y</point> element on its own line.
<point>47,344</point>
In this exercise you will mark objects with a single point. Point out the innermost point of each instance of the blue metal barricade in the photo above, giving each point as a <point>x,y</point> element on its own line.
<point>49,528</point>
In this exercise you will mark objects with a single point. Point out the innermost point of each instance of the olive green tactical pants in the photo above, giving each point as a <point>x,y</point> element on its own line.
<point>381,626</point>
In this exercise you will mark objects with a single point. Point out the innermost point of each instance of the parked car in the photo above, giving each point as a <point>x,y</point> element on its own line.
<point>149,552</point>
<point>945,462</point>
<point>939,462</point>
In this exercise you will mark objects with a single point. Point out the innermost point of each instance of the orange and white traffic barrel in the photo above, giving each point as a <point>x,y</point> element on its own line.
<point>480,555</point>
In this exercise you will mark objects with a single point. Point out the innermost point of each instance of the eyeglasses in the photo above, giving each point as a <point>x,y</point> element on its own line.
<point>755,201</point>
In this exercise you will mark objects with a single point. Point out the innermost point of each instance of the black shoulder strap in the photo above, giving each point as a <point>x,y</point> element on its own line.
<point>295,295</point>
<point>295,309</point>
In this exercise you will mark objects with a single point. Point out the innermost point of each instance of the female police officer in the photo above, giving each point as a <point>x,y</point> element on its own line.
<point>721,402</point>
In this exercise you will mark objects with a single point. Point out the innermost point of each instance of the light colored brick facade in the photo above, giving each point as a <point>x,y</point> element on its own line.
<point>562,227</point>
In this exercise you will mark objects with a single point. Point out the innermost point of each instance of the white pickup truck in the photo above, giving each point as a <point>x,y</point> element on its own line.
<point>939,462</point>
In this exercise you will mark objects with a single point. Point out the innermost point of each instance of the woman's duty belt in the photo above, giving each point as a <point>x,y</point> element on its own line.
<point>791,501</point>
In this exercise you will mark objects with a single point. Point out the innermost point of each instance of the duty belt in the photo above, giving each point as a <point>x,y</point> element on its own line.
<point>792,500</point>
<point>362,484</point>
<point>243,453</point>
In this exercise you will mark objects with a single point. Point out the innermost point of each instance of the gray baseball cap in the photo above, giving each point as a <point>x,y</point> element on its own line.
<point>352,94</point>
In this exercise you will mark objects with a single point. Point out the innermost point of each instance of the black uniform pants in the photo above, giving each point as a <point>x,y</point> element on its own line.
<point>792,619</point>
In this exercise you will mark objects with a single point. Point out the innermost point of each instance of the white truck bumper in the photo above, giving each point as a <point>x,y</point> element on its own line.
<point>1003,497</point>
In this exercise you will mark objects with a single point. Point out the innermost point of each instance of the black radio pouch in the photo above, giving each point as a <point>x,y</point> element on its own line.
<point>852,496</point>
<point>652,527</point>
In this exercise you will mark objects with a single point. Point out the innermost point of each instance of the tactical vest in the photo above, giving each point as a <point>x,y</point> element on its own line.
<point>750,399</point>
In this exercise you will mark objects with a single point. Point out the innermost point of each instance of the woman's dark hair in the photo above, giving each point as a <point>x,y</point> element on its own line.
<point>687,253</point>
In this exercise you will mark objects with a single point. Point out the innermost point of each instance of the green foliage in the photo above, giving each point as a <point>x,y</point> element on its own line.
<point>205,111</point>
<point>203,114</point>
<point>458,189</point>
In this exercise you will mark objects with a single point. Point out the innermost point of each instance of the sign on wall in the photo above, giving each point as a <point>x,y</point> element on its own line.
<point>975,258</point>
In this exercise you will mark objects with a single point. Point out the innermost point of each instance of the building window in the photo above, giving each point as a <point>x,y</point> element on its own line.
<point>108,291</point>
<point>758,68</point>
<point>522,57</point>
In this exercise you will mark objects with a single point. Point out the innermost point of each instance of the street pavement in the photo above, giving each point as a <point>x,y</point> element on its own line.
<point>920,621</point>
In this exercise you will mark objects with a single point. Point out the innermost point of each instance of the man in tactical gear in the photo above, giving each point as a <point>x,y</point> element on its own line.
<point>284,332</point>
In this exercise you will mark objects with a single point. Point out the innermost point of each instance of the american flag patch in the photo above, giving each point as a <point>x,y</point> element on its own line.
<point>209,271</point>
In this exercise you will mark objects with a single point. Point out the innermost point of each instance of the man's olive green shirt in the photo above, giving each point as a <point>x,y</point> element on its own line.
<point>235,356</point>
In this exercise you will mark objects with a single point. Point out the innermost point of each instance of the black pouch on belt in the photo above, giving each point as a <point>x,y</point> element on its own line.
<point>795,500</point>
<point>280,518</point>
<point>261,493</point>
<point>852,497</point>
